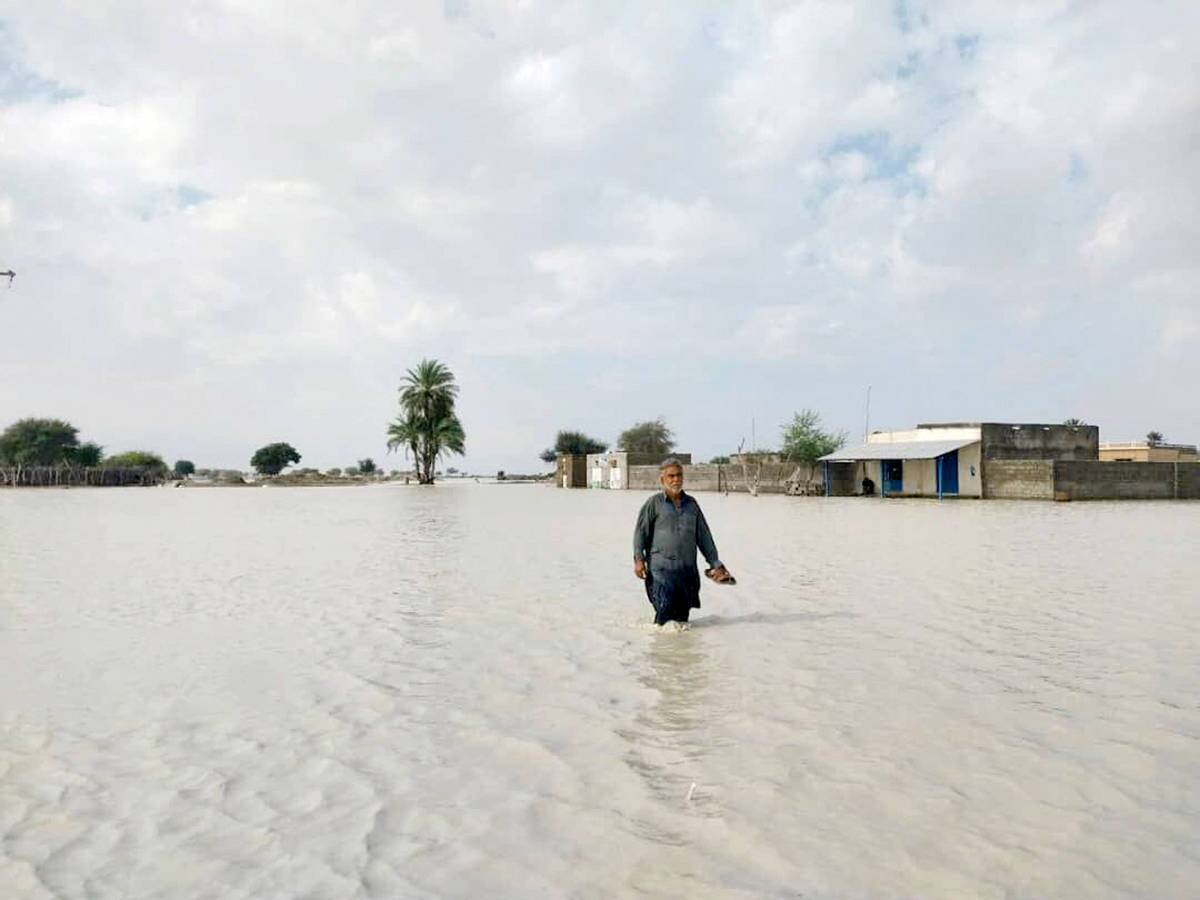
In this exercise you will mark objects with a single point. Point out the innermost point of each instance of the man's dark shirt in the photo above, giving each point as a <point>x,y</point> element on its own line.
<point>668,538</point>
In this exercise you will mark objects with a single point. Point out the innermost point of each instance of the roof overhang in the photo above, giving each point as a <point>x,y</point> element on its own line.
<point>898,450</point>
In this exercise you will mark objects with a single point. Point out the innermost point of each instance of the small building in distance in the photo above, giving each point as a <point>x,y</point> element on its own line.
<point>954,459</point>
<point>571,470</point>
<point>1144,451</point>
<point>610,470</point>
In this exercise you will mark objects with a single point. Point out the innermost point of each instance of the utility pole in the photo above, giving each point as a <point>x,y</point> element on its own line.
<point>867,425</point>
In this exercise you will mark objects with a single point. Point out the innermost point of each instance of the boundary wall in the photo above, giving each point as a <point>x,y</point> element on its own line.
<point>1007,479</point>
<point>65,476</point>
<point>1019,479</point>
<point>1187,476</point>
<point>1079,480</point>
<point>1091,480</point>
<point>732,477</point>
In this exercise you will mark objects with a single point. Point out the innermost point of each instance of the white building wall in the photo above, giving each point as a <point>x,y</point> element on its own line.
<point>609,471</point>
<point>597,470</point>
<point>920,475</point>
<point>970,482</point>
<point>962,433</point>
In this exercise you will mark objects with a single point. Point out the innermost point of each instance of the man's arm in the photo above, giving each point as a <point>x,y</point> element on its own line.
<point>704,540</point>
<point>643,534</point>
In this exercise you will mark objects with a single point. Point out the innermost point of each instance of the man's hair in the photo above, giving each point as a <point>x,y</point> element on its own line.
<point>668,463</point>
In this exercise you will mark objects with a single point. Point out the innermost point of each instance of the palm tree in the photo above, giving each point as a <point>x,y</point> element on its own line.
<point>1074,421</point>
<point>427,426</point>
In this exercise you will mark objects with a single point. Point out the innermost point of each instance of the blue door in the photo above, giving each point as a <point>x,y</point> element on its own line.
<point>947,469</point>
<point>893,476</point>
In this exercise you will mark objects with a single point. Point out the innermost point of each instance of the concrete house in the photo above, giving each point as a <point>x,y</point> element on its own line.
<point>1144,451</point>
<point>954,459</point>
<point>570,470</point>
<point>611,470</point>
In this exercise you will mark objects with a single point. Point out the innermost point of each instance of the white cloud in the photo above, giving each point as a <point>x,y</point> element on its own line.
<point>801,88</point>
<point>235,195</point>
<point>787,331</point>
<point>562,98</point>
<point>1181,332</point>
<point>1111,232</point>
<point>646,231</point>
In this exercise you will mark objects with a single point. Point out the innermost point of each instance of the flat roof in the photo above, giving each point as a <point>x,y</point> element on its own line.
<point>1144,445</point>
<point>897,450</point>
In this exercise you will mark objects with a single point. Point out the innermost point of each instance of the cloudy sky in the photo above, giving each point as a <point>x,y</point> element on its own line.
<point>239,222</point>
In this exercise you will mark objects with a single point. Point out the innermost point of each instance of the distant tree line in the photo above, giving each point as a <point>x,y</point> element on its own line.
<point>47,452</point>
<point>643,437</point>
<point>803,441</point>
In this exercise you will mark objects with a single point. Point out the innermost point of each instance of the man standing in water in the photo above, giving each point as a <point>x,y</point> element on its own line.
<point>670,529</point>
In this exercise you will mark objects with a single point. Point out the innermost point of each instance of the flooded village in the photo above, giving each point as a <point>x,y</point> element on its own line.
<point>988,460</point>
<point>312,587</point>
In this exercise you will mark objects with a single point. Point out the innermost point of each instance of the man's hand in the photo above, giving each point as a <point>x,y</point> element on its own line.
<point>720,574</point>
<point>639,568</point>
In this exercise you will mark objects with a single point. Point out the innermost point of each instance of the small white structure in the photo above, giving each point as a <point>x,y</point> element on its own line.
<point>929,461</point>
<point>611,470</point>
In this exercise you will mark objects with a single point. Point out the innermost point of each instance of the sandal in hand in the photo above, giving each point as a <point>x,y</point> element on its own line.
<point>720,579</point>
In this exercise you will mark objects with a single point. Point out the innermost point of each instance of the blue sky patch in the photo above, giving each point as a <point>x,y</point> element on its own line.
<point>455,9</point>
<point>18,84</point>
<point>888,161</point>
<point>1077,171</point>
<point>967,46</point>
<point>189,195</point>
<point>909,67</point>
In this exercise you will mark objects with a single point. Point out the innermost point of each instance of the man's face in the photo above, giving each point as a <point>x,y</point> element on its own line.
<point>672,480</point>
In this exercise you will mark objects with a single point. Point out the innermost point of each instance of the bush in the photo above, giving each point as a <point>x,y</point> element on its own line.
<point>138,459</point>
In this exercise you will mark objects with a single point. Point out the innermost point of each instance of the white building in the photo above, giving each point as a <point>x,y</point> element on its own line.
<point>928,461</point>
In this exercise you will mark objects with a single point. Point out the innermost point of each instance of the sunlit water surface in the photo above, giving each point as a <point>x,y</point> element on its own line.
<point>454,692</point>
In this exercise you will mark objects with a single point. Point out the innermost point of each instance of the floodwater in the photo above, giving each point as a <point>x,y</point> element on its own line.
<point>454,692</point>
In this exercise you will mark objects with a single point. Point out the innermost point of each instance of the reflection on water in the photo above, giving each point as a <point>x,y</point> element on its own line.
<point>669,735</point>
<point>431,692</point>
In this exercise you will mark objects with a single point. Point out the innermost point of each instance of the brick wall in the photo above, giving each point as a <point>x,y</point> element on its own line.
<point>1032,441</point>
<point>1019,479</point>
<point>1006,479</point>
<point>1189,480</point>
<point>645,478</point>
<point>709,477</point>
<point>1088,480</point>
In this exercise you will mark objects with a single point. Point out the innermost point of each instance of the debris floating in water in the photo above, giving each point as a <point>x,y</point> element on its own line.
<point>691,791</point>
